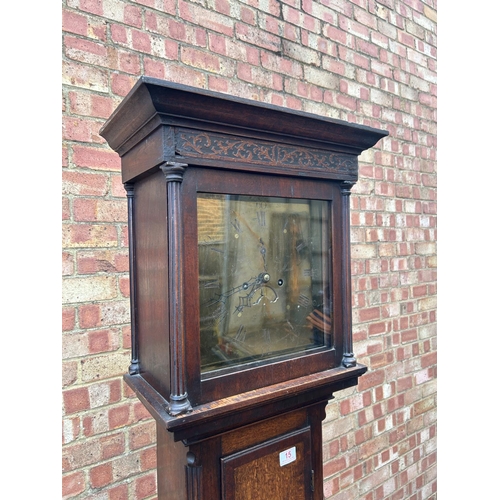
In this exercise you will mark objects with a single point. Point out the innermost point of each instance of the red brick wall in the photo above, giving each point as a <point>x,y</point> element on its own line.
<point>370,62</point>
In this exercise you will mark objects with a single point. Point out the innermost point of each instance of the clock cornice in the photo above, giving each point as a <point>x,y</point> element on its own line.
<point>157,110</point>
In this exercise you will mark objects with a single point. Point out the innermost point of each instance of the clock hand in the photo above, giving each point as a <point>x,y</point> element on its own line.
<point>263,250</point>
<point>253,284</point>
<point>243,220</point>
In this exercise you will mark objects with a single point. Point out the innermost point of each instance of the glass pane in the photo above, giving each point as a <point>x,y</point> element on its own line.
<point>264,271</point>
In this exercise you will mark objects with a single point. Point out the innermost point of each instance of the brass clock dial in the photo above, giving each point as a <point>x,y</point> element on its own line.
<point>263,277</point>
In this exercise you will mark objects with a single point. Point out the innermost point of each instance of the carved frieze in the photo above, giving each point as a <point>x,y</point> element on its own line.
<point>191,143</point>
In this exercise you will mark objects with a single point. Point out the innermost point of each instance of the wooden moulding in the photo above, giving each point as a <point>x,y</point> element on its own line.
<point>161,122</point>
<point>220,416</point>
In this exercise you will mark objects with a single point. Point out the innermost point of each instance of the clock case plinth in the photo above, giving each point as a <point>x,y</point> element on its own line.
<point>171,138</point>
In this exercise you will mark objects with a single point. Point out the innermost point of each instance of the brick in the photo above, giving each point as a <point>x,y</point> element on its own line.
<point>69,373</point>
<point>354,58</point>
<point>209,19</point>
<point>319,43</point>
<point>248,15</point>
<point>155,69</point>
<point>79,183</point>
<point>101,475</point>
<point>145,486</point>
<point>68,322</point>
<point>427,303</point>
<point>132,16</point>
<point>95,423</point>
<point>99,210</point>
<point>121,84</point>
<point>127,62</point>
<point>257,76</point>
<point>334,466</point>
<point>90,262</point>
<point>140,412</point>
<point>269,24</point>
<point>371,379</point>
<point>125,466</point>
<point>148,459</point>
<point>363,251</point>
<point>425,405</point>
<point>71,429</point>
<point>113,446</point>
<point>84,103</point>
<point>81,129</point>
<point>430,14</point>
<point>302,89</point>
<point>183,74</point>
<point>337,35</point>
<point>300,18</point>
<point>124,286</point>
<point>74,22</point>
<point>95,158</point>
<point>102,341</point>
<point>278,64</point>
<point>104,393</point>
<point>364,17</point>
<point>218,44</point>
<point>205,60</point>
<point>119,417</point>
<point>73,484</point>
<point>86,289</point>
<point>141,41</point>
<point>89,316</point>
<point>300,53</point>
<point>369,314</point>
<point>117,188</point>
<point>118,493</point>
<point>74,345</point>
<point>103,314</point>
<point>142,435</point>
<point>322,12</point>
<point>257,37</point>
<point>368,449</point>
<point>104,366</point>
<point>76,400</point>
<point>86,51</point>
<point>321,78</point>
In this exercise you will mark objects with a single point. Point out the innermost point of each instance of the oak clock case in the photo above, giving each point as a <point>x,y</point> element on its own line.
<point>240,293</point>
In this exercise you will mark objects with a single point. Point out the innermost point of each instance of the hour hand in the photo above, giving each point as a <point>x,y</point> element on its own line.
<point>263,251</point>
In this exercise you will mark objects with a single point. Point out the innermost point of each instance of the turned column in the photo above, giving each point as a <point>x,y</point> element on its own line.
<point>178,401</point>
<point>348,359</point>
<point>134,364</point>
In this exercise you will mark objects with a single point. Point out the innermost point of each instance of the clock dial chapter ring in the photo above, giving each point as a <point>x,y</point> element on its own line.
<point>264,261</point>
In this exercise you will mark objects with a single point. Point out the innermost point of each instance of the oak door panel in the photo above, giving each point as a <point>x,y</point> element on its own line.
<point>278,469</point>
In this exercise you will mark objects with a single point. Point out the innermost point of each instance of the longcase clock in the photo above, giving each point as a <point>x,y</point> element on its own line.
<point>240,285</point>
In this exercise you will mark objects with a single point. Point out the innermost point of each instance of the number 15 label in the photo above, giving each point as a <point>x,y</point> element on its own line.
<point>288,456</point>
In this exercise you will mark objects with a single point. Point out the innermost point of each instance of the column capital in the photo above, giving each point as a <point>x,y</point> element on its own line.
<point>174,171</point>
<point>345,187</point>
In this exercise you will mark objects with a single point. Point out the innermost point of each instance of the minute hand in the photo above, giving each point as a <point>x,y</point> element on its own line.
<point>252,285</point>
<point>257,237</point>
<point>252,232</point>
